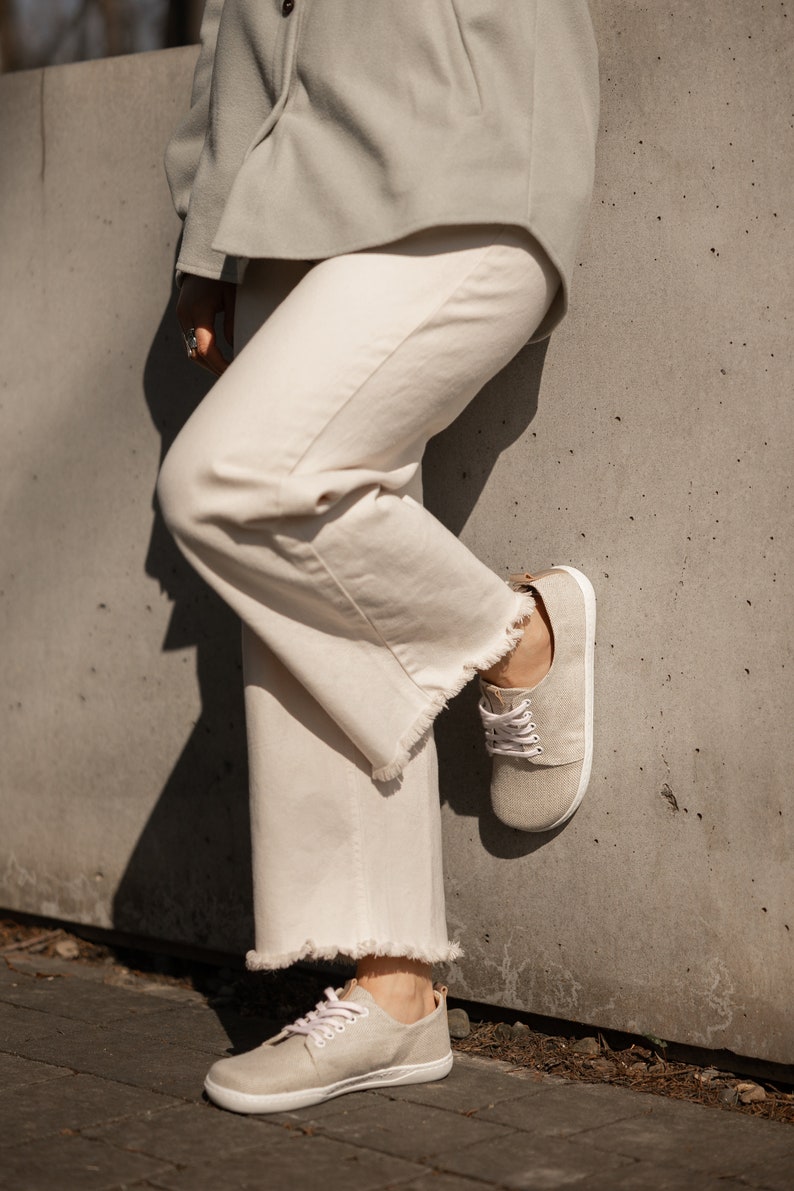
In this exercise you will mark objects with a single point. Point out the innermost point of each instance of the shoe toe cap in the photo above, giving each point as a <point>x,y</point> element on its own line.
<point>534,797</point>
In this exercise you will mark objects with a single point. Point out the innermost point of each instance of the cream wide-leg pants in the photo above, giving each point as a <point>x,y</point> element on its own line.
<point>289,491</point>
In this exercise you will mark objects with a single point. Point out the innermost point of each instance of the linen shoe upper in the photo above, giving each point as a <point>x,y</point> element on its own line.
<point>540,789</point>
<point>369,1040</point>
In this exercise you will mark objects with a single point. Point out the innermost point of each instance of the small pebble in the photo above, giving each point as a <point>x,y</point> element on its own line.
<point>637,1068</point>
<point>459,1024</point>
<point>729,1096</point>
<point>603,1067</point>
<point>657,1068</point>
<point>586,1046</point>
<point>750,1093</point>
<point>503,1032</point>
<point>707,1076</point>
<point>67,949</point>
<point>520,1030</point>
<point>119,978</point>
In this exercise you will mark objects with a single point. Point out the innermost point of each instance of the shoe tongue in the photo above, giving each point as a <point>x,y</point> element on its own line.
<point>501,699</point>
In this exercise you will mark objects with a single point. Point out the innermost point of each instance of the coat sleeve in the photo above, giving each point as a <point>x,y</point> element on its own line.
<point>184,149</point>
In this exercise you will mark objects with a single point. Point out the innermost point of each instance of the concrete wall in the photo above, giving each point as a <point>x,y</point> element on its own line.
<point>648,444</point>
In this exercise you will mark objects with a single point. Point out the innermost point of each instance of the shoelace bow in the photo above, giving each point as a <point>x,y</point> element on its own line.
<point>511,733</point>
<point>329,1017</point>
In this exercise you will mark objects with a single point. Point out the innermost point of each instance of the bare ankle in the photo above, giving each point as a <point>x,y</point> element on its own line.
<point>403,988</point>
<point>530,660</point>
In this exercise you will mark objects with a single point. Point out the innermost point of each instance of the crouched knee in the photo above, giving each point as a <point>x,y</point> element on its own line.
<point>179,493</point>
<point>198,491</point>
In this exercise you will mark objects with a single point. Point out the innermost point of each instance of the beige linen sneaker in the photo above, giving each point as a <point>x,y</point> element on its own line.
<point>346,1044</point>
<point>541,739</point>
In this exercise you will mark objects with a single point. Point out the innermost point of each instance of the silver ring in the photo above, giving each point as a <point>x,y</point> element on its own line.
<point>191,343</point>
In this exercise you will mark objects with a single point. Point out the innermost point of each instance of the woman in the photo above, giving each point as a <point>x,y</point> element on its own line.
<point>383,201</point>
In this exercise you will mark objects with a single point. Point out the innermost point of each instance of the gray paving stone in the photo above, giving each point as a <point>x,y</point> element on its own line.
<point>525,1160</point>
<point>7,973</point>
<point>74,1164</point>
<point>19,1027</point>
<point>105,973</point>
<point>563,1109</point>
<point>772,1171</point>
<point>647,1176</point>
<point>115,1054</point>
<point>291,1159</point>
<point>413,1131</point>
<point>6,965</point>
<point>436,1181</point>
<point>200,1029</point>
<point>145,1185</point>
<point>18,1073</point>
<point>318,1113</point>
<point>487,1125</point>
<point>184,1133</point>
<point>472,1084</point>
<point>73,1102</point>
<point>85,1000</point>
<point>699,1138</point>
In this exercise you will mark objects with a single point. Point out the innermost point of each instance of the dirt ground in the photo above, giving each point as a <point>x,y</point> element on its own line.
<point>282,996</point>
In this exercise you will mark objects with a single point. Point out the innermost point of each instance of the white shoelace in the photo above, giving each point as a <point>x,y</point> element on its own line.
<point>330,1016</point>
<point>511,733</point>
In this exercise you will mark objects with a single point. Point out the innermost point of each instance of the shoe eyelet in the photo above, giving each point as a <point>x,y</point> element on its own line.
<point>340,1029</point>
<point>319,1044</point>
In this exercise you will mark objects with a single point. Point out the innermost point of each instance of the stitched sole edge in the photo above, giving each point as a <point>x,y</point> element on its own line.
<point>245,1102</point>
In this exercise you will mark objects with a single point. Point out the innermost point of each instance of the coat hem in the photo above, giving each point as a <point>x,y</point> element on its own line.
<point>227,272</point>
<point>265,961</point>
<point>507,640</point>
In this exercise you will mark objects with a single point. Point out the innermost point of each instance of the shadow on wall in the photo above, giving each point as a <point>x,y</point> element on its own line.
<point>189,875</point>
<point>456,468</point>
<point>174,885</point>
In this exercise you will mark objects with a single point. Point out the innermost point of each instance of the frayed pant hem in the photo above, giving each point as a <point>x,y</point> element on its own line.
<point>507,640</point>
<point>263,961</point>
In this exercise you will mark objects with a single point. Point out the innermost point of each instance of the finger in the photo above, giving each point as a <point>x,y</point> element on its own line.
<point>218,363</point>
<point>199,317</point>
<point>211,368</point>
<point>213,358</point>
<point>207,352</point>
<point>205,337</point>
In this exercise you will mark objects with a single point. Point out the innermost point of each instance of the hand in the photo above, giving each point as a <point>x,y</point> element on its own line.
<point>201,300</point>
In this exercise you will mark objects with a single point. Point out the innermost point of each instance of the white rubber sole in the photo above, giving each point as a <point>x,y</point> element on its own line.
<point>586,588</point>
<point>286,1101</point>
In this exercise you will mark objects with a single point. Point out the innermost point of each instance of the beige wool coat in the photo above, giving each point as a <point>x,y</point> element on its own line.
<point>319,127</point>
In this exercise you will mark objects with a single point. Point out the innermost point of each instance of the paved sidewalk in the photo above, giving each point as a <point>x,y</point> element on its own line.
<point>100,1089</point>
